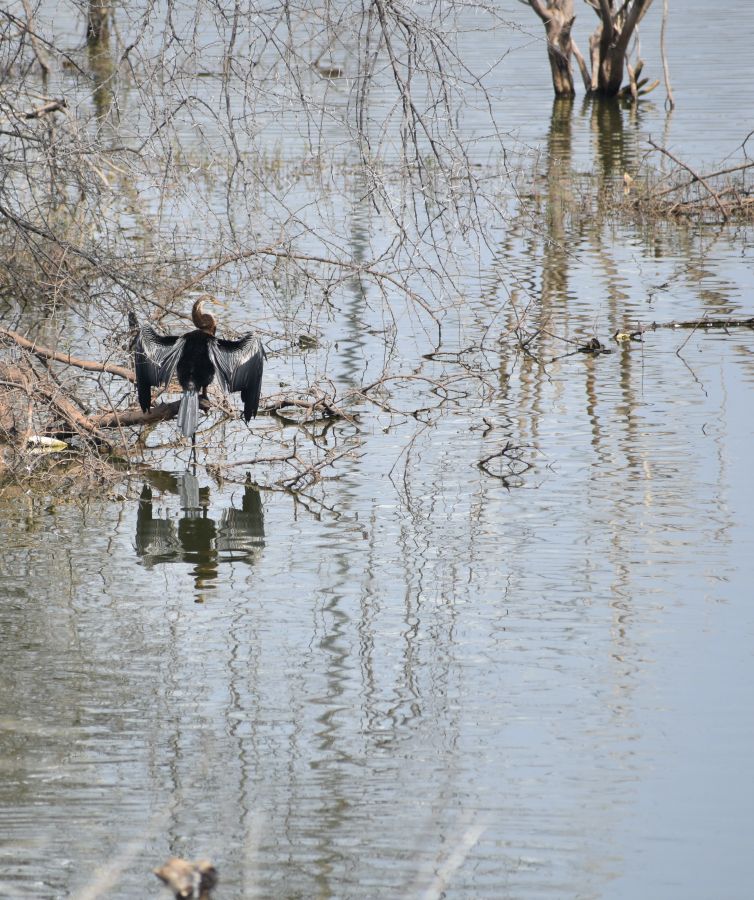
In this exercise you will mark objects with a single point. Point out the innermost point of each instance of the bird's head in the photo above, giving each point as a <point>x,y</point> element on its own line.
<point>204,321</point>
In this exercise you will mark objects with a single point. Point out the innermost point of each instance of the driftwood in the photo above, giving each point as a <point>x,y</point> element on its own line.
<point>42,391</point>
<point>90,424</point>
<point>318,405</point>
<point>53,409</point>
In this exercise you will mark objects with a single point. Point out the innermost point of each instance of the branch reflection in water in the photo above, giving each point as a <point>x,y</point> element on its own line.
<point>196,537</point>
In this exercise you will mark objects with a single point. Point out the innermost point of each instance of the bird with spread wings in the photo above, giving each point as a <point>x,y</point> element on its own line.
<point>196,358</point>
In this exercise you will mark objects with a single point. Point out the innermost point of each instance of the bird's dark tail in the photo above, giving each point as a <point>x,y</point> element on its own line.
<point>188,413</point>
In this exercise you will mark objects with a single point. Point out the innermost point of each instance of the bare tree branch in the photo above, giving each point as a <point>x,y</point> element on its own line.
<point>46,353</point>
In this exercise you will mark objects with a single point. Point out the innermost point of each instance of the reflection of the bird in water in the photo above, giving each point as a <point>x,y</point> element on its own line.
<point>196,537</point>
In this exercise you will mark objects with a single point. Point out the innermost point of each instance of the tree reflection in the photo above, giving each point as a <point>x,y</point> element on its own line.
<point>196,537</point>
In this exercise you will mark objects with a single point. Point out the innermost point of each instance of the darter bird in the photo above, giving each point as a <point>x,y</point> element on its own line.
<point>196,358</point>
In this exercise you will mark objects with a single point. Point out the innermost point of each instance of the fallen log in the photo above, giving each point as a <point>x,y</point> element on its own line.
<point>635,334</point>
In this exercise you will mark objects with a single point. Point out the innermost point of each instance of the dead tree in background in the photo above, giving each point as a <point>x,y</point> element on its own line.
<point>608,46</point>
<point>97,22</point>
<point>558,19</point>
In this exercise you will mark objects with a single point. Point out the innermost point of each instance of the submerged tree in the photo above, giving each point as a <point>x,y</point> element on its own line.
<point>608,45</point>
<point>558,18</point>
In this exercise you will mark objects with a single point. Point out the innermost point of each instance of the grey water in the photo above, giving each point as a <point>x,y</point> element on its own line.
<point>436,678</point>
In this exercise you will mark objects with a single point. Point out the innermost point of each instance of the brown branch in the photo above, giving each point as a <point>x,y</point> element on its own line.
<point>636,13</point>
<point>540,10</point>
<point>46,353</point>
<point>49,107</point>
<point>33,384</point>
<point>585,75</point>
<point>608,26</point>
<point>160,412</point>
<point>78,421</point>
<point>134,416</point>
<point>16,405</point>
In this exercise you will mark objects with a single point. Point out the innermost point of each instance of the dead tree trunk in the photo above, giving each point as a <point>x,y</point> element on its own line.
<point>557,17</point>
<point>98,22</point>
<point>608,45</point>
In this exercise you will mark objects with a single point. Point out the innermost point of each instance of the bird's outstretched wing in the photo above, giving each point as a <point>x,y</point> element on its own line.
<point>156,356</point>
<point>239,367</point>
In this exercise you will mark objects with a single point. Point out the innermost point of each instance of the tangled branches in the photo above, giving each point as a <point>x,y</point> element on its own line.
<point>720,195</point>
<point>309,166</point>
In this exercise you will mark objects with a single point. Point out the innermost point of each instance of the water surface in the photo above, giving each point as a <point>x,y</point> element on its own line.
<point>528,679</point>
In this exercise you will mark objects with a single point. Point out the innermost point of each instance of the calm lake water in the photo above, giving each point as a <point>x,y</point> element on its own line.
<point>510,681</point>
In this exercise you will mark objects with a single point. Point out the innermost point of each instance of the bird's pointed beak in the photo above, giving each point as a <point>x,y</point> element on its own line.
<point>211,300</point>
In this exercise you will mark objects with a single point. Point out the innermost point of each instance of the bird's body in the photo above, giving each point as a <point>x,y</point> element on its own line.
<point>195,366</point>
<point>196,358</point>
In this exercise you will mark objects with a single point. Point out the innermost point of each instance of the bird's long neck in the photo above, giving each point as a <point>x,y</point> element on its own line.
<point>204,321</point>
